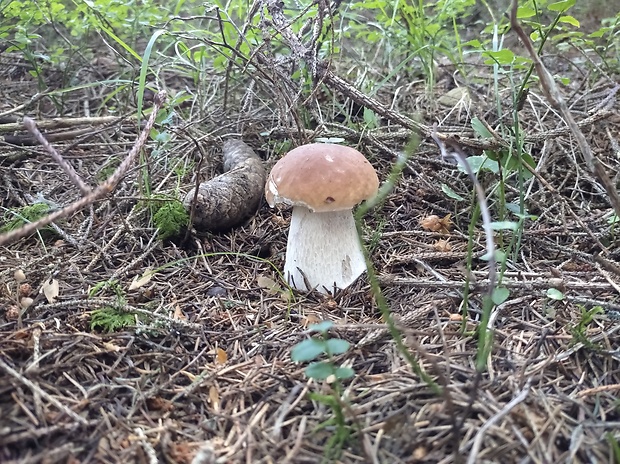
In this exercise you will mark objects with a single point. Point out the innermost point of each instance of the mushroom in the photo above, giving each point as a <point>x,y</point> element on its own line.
<point>322,182</point>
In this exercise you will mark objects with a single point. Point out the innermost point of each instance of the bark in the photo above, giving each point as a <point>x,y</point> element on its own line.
<point>231,198</point>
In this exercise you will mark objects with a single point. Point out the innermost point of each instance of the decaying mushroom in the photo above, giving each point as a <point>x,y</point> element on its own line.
<point>322,182</point>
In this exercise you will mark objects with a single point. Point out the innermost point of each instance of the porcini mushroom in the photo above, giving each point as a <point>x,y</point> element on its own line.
<point>323,183</point>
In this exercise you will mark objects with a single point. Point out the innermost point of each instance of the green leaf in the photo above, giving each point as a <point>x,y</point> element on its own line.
<point>504,225</point>
<point>600,32</point>
<point>144,67</point>
<point>473,43</point>
<point>555,294</point>
<point>161,137</point>
<point>502,57</point>
<point>564,80</point>
<point>525,12</point>
<point>561,6</point>
<point>344,373</point>
<point>529,160</point>
<point>308,350</point>
<point>370,118</point>
<point>480,129</point>
<point>500,294</point>
<point>514,208</point>
<point>337,346</point>
<point>320,370</point>
<point>451,193</point>
<point>500,256</point>
<point>569,20</point>
<point>321,327</point>
<point>480,162</point>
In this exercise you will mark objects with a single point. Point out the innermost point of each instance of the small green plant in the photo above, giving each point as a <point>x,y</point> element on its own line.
<point>16,218</point>
<point>107,169</point>
<point>579,330</point>
<point>315,347</point>
<point>109,319</point>
<point>615,447</point>
<point>413,31</point>
<point>112,285</point>
<point>323,346</point>
<point>170,218</point>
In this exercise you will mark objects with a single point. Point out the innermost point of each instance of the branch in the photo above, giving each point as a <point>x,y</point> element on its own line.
<point>60,123</point>
<point>101,191</point>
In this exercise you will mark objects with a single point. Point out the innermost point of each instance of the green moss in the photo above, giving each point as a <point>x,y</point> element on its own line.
<point>110,319</point>
<point>170,218</point>
<point>16,218</point>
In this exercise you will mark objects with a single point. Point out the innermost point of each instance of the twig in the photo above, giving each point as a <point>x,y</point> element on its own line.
<point>101,191</point>
<point>298,441</point>
<point>71,173</point>
<point>150,452</point>
<point>487,425</point>
<point>553,95</point>
<point>58,123</point>
<point>36,355</point>
<point>198,171</point>
<point>26,140</point>
<point>529,285</point>
<point>597,390</point>
<point>285,408</point>
<point>37,390</point>
<point>36,97</point>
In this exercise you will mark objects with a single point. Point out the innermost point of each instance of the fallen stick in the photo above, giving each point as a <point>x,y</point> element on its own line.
<point>28,141</point>
<point>61,123</point>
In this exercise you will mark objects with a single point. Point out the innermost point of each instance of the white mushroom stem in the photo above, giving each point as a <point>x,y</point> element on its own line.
<point>325,247</point>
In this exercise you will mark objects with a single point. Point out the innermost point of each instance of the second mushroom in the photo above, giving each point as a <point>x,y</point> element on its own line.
<point>323,183</point>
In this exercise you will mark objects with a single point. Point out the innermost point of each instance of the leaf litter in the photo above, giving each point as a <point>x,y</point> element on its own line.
<point>209,372</point>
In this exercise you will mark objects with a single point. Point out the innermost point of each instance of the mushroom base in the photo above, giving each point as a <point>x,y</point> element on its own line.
<point>325,248</point>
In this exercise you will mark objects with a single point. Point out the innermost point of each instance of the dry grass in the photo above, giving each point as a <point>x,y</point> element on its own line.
<point>206,367</point>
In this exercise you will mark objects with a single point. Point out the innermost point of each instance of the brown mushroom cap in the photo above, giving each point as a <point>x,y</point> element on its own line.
<point>322,177</point>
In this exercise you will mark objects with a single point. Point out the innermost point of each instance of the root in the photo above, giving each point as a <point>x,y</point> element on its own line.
<point>231,198</point>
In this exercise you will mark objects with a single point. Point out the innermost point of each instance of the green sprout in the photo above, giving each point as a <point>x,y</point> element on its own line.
<point>109,319</point>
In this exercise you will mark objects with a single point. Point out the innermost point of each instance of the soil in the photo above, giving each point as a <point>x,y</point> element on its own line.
<point>202,372</point>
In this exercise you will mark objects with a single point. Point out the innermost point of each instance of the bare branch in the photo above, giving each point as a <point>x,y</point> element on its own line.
<point>60,123</point>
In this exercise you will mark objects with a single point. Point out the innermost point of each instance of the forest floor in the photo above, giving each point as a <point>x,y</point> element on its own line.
<point>202,372</point>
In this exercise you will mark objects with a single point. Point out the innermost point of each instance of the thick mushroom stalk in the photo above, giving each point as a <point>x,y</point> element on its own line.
<point>323,250</point>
